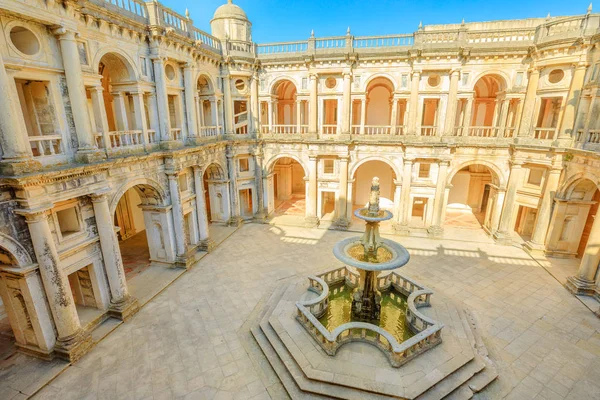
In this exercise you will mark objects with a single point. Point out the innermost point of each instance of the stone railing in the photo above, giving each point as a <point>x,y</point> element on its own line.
<point>428,333</point>
<point>429,130</point>
<point>593,137</point>
<point>120,139</point>
<point>209,131</point>
<point>482,131</point>
<point>544,133</point>
<point>46,145</point>
<point>175,134</point>
<point>329,129</point>
<point>431,37</point>
<point>152,136</point>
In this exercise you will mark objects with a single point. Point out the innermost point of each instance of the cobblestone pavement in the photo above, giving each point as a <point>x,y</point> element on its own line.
<point>185,343</point>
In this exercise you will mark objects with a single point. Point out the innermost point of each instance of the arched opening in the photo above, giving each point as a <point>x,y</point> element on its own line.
<point>15,318</point>
<point>143,234</point>
<point>216,194</point>
<point>289,187</point>
<point>361,188</point>
<point>382,112</point>
<point>207,107</point>
<point>470,200</point>
<point>491,112</point>
<point>573,219</point>
<point>285,112</point>
<point>120,113</point>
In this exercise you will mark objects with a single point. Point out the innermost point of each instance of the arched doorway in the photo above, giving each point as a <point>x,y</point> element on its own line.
<point>285,112</point>
<point>288,188</point>
<point>361,187</point>
<point>25,320</point>
<point>216,194</point>
<point>144,234</point>
<point>471,199</point>
<point>573,219</point>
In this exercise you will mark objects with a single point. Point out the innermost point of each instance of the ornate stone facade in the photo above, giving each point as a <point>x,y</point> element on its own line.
<point>122,112</point>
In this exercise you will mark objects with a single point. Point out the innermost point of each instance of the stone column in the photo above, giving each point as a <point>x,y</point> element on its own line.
<point>122,305</point>
<point>342,221</point>
<point>72,341</point>
<point>270,114</point>
<point>153,117</point>
<point>206,242</point>
<point>584,281</point>
<point>139,113</point>
<point>298,111</point>
<point>177,210</point>
<point>190,104</point>
<point>502,117</point>
<point>394,116</point>
<point>414,100</point>
<point>17,157</point>
<point>452,103</point>
<point>87,151</point>
<point>346,103</point>
<point>403,217</point>
<point>229,124</point>
<point>468,113</point>
<point>200,113</point>
<point>234,219</point>
<point>214,111</point>
<point>120,111</point>
<point>538,238</point>
<point>363,114</point>
<point>436,229</point>
<point>100,114</point>
<point>504,233</point>
<point>529,103</point>
<point>254,104</point>
<point>260,190</point>
<point>497,210</point>
<point>162,100</point>
<point>565,134</point>
<point>311,199</point>
<point>312,107</point>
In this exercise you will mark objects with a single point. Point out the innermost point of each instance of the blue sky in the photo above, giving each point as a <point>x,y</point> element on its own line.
<point>279,20</point>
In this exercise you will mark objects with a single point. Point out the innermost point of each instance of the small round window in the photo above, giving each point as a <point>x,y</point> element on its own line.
<point>240,85</point>
<point>170,72</point>
<point>433,80</point>
<point>330,83</point>
<point>556,76</point>
<point>24,40</point>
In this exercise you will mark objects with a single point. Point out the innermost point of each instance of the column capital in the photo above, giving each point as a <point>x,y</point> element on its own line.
<point>36,214</point>
<point>188,65</point>
<point>313,76</point>
<point>344,158</point>
<point>408,161</point>
<point>444,162</point>
<point>454,72</point>
<point>172,174</point>
<point>347,74</point>
<point>312,158</point>
<point>416,73</point>
<point>64,33</point>
<point>516,163</point>
<point>100,196</point>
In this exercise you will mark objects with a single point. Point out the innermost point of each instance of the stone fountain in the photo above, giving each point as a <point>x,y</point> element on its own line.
<point>370,255</point>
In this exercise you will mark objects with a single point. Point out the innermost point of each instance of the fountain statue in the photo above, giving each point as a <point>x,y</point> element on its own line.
<point>370,255</point>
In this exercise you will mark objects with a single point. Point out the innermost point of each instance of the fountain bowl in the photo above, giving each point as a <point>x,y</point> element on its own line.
<point>360,213</point>
<point>399,254</point>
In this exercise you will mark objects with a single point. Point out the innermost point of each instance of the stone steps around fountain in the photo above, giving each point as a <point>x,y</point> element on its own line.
<point>453,378</point>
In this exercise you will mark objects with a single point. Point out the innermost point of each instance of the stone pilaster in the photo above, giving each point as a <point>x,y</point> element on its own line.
<point>87,151</point>
<point>452,103</point>
<point>437,229</point>
<point>17,157</point>
<point>529,103</point>
<point>566,134</point>
<point>229,123</point>
<point>346,102</point>
<point>254,104</point>
<point>401,226</point>
<point>122,304</point>
<point>504,233</point>
<point>258,172</point>
<point>206,243</point>
<point>311,200</point>
<point>72,342</point>
<point>313,117</point>
<point>536,244</point>
<point>342,222</point>
<point>414,102</point>
<point>100,114</point>
<point>585,280</point>
<point>177,210</point>
<point>162,101</point>
<point>235,219</point>
<point>190,106</point>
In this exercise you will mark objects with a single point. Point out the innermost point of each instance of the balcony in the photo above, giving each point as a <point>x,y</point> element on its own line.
<point>46,145</point>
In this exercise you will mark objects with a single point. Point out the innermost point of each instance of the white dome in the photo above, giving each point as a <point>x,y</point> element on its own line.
<point>230,10</point>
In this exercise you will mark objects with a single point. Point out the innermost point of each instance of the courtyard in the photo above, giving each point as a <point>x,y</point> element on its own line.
<point>192,340</point>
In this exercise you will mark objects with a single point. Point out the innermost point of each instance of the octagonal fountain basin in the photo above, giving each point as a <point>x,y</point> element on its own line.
<point>390,255</point>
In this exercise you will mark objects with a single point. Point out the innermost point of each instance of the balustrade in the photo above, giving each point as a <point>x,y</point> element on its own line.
<point>175,134</point>
<point>331,43</point>
<point>278,48</point>
<point>593,137</point>
<point>383,41</point>
<point>120,139</point>
<point>46,145</point>
<point>329,129</point>
<point>544,133</point>
<point>482,131</point>
<point>428,130</point>
<point>208,131</point>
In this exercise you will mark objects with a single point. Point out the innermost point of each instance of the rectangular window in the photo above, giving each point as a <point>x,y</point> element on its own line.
<point>535,176</point>
<point>68,221</point>
<point>465,78</point>
<point>83,58</point>
<point>404,83</point>
<point>244,165</point>
<point>424,169</point>
<point>328,166</point>
<point>183,183</point>
<point>304,83</point>
<point>519,80</point>
<point>144,66</point>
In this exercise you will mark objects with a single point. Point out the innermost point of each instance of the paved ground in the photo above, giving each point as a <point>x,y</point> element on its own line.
<point>185,344</point>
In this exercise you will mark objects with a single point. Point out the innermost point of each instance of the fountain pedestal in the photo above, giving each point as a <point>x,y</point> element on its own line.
<point>366,300</point>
